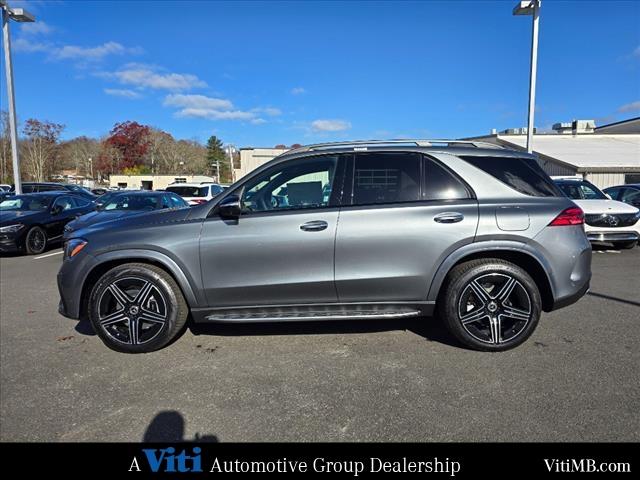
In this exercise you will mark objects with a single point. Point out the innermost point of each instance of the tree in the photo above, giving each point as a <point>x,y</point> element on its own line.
<point>216,157</point>
<point>163,155</point>
<point>131,141</point>
<point>280,146</point>
<point>295,145</point>
<point>41,147</point>
<point>79,153</point>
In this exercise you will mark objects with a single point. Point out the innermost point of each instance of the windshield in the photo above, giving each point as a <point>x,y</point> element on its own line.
<point>581,191</point>
<point>132,202</point>
<point>25,203</point>
<point>185,191</point>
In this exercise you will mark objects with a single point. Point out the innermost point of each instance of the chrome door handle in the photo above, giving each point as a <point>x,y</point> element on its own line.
<point>448,217</point>
<point>314,226</point>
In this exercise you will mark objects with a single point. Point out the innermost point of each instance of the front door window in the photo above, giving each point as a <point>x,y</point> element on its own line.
<point>299,184</point>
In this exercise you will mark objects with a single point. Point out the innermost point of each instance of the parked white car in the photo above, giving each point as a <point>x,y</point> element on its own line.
<point>606,220</point>
<point>196,193</point>
<point>4,187</point>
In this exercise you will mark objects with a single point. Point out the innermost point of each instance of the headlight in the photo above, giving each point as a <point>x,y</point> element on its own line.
<point>73,247</point>
<point>11,228</point>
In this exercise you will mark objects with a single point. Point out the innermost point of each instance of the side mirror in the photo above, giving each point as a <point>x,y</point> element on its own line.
<point>230,207</point>
<point>56,210</point>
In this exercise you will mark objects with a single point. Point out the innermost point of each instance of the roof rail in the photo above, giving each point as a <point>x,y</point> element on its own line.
<point>363,144</point>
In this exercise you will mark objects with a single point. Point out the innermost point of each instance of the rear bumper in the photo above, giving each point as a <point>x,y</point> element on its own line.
<point>570,299</point>
<point>628,236</point>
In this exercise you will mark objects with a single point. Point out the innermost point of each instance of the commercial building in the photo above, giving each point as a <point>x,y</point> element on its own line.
<point>606,155</point>
<point>252,158</point>
<point>153,182</point>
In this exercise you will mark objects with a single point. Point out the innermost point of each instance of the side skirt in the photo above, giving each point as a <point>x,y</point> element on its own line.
<point>312,312</point>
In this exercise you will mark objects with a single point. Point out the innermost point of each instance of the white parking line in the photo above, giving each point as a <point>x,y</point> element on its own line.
<point>48,255</point>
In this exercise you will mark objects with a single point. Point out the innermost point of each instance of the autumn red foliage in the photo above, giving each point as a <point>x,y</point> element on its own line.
<point>131,141</point>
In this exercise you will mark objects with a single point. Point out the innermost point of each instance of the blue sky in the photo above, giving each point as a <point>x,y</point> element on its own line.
<point>263,73</point>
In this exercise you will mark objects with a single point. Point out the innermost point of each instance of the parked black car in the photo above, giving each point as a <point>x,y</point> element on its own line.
<point>124,204</point>
<point>99,191</point>
<point>39,187</point>
<point>629,193</point>
<point>31,221</point>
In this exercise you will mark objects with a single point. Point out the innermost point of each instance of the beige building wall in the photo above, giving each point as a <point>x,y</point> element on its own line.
<point>252,158</point>
<point>153,182</point>
<point>605,179</point>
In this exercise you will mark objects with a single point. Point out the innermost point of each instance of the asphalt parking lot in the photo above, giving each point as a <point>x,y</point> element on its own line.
<point>576,379</point>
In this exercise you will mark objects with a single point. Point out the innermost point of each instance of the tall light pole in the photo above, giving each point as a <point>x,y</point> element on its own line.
<point>531,7</point>
<point>18,15</point>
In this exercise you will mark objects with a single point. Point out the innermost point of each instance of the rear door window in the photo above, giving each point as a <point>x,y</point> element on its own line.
<point>386,178</point>
<point>522,174</point>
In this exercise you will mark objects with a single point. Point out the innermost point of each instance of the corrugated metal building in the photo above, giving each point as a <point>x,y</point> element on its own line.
<point>606,156</point>
<point>252,158</point>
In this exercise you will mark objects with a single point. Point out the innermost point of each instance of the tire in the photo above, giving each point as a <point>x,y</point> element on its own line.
<point>476,311</point>
<point>624,245</point>
<point>137,308</point>
<point>35,242</point>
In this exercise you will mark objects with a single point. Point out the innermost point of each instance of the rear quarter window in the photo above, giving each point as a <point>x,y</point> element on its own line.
<point>522,174</point>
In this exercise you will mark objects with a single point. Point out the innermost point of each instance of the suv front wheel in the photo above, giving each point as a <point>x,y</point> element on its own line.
<point>490,304</point>
<point>137,308</point>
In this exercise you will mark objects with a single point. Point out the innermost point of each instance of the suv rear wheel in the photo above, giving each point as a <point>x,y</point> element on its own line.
<point>490,304</point>
<point>137,308</point>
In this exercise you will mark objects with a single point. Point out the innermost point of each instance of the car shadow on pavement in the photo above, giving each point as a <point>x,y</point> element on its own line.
<point>615,299</point>
<point>430,328</point>
<point>84,327</point>
<point>168,426</point>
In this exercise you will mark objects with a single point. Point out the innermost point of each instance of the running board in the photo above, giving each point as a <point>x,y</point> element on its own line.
<point>242,317</point>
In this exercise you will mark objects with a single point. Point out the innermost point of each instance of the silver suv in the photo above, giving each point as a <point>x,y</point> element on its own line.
<point>387,229</point>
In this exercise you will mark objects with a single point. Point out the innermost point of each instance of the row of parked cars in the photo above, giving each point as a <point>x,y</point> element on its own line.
<point>47,213</point>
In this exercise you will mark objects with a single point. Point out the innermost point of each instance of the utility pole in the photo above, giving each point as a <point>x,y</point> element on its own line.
<point>531,7</point>
<point>18,15</point>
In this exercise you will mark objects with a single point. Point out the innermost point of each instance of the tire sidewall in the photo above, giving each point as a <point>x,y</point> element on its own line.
<point>456,288</point>
<point>26,241</point>
<point>625,245</point>
<point>164,336</point>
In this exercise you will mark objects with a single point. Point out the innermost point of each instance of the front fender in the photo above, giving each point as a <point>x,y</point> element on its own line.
<point>188,284</point>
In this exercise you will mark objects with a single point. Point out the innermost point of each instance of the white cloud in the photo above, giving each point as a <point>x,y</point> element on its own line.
<point>36,28</point>
<point>330,125</point>
<point>630,107</point>
<point>124,93</point>
<point>210,108</point>
<point>27,46</point>
<point>212,114</point>
<point>147,76</point>
<point>197,101</point>
<point>298,91</point>
<point>74,52</point>
<point>270,111</point>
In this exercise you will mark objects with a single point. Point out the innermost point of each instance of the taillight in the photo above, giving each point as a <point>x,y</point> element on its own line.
<point>199,201</point>
<point>569,216</point>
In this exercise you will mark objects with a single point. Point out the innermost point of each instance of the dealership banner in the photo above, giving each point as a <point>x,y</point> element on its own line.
<point>455,460</point>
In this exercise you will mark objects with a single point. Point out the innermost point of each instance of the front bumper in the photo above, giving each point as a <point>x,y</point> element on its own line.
<point>9,244</point>
<point>71,278</point>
